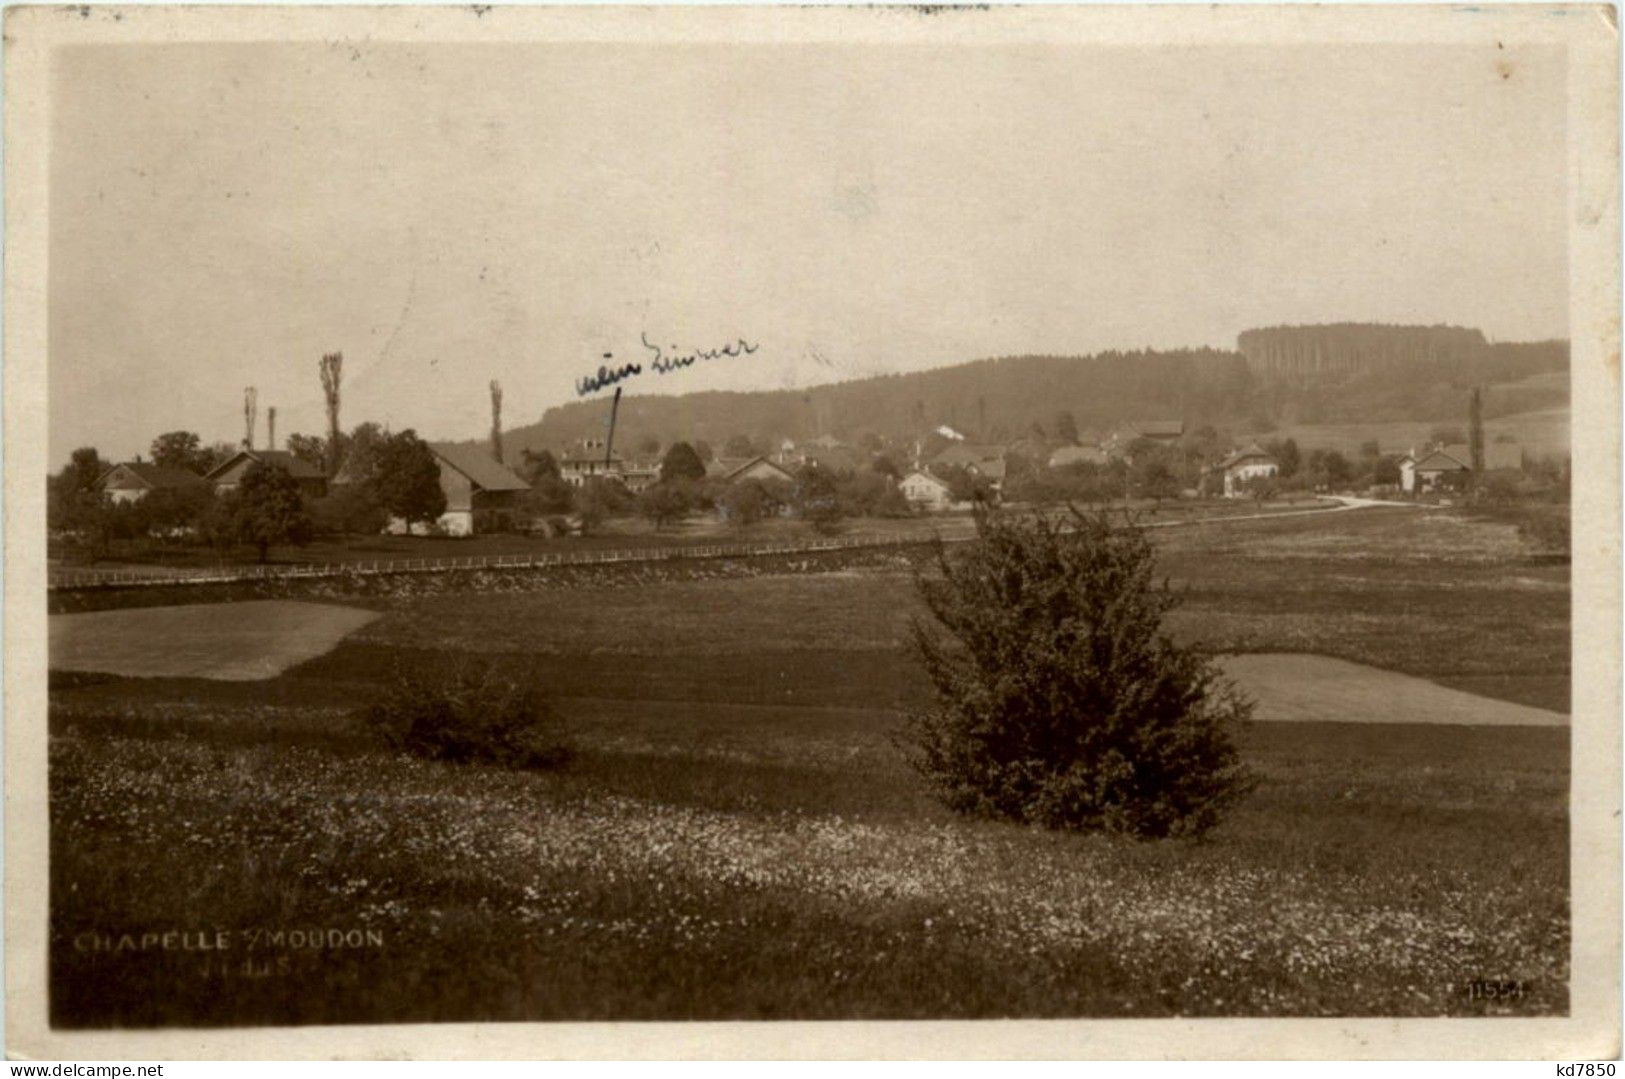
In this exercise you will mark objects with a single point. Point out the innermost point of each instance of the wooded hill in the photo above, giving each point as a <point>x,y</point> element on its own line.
<point>1344,373</point>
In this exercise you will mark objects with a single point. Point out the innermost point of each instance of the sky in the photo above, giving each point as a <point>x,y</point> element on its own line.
<point>223,214</point>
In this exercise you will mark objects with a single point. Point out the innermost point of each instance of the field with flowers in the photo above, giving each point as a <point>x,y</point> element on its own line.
<point>737,837</point>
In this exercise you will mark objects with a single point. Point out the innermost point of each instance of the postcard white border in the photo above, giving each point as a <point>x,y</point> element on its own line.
<point>1590,35</point>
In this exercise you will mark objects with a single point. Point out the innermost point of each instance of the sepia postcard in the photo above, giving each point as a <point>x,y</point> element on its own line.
<point>808,532</point>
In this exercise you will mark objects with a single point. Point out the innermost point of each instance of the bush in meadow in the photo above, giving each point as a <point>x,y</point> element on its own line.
<point>471,712</point>
<point>1060,700</point>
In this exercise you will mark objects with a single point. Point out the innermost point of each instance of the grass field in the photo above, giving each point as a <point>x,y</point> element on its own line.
<point>738,838</point>
<point>235,641</point>
<point>1542,433</point>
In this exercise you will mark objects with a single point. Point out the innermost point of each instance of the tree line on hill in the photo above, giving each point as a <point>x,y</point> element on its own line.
<point>1342,373</point>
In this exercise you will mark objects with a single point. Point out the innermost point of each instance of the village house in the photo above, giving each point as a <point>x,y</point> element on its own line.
<point>836,458</point>
<point>586,459</point>
<point>729,470</point>
<point>481,493</point>
<point>1450,466</point>
<point>639,476</point>
<point>1160,432</point>
<point>983,461</point>
<point>134,480</point>
<point>927,492</point>
<point>1243,466</point>
<point>228,474</point>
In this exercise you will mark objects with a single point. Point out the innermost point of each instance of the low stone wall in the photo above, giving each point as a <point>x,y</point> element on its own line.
<point>352,587</point>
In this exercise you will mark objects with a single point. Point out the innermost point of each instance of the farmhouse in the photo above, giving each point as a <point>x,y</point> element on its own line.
<point>733,469</point>
<point>984,461</point>
<point>1450,466</point>
<point>639,476</point>
<point>1440,468</point>
<point>588,458</point>
<point>481,493</point>
<point>134,480</point>
<point>1165,432</point>
<point>1244,465</point>
<point>833,458</point>
<point>926,491</point>
<point>226,475</point>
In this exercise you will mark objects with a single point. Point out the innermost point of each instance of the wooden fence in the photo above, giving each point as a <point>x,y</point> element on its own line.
<point>91,578</point>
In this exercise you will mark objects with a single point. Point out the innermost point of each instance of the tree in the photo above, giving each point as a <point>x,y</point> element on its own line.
<point>1066,428</point>
<point>171,512</point>
<point>648,446</point>
<point>331,369</point>
<point>359,451</point>
<point>177,449</point>
<point>213,455</point>
<point>311,449</point>
<point>496,420</point>
<point>405,479</point>
<point>85,466</point>
<point>1260,488</point>
<point>550,493</point>
<point>681,463</point>
<point>885,465</point>
<point>817,500</point>
<point>536,465</point>
<point>596,500</point>
<point>1156,480</point>
<point>265,509</point>
<point>349,508</point>
<point>964,485</point>
<point>666,502</point>
<point>745,502</point>
<point>1328,468</point>
<point>1475,430</point>
<point>740,446</point>
<point>1060,700</point>
<point>1286,456</point>
<point>703,448</point>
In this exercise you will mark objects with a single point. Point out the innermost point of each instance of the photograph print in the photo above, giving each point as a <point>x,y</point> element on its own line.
<point>743,515</point>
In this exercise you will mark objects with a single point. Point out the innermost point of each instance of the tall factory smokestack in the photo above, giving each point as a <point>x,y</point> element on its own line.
<point>251,398</point>
<point>270,428</point>
<point>496,420</point>
<point>332,367</point>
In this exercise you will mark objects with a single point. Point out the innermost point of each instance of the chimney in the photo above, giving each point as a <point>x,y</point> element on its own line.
<point>270,428</point>
<point>250,414</point>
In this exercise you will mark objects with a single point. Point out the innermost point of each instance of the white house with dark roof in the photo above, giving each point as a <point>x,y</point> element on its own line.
<point>1449,466</point>
<point>481,492</point>
<point>926,491</point>
<point>134,480</point>
<point>588,459</point>
<point>1242,466</point>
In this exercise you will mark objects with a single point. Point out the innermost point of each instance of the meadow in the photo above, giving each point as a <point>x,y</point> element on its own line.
<point>739,838</point>
<point>1542,432</point>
